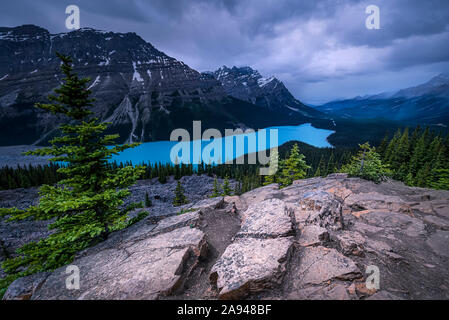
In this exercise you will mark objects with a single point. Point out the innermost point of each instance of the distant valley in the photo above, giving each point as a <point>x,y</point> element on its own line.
<point>425,104</point>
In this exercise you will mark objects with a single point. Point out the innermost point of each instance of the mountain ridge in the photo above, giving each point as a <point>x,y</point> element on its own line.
<point>427,103</point>
<point>246,83</point>
<point>141,90</point>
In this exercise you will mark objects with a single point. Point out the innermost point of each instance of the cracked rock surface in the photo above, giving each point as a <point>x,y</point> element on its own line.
<point>315,239</point>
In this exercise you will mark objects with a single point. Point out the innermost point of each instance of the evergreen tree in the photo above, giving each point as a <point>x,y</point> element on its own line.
<point>441,179</point>
<point>317,172</point>
<point>423,176</point>
<point>238,188</point>
<point>400,157</point>
<point>392,146</point>
<point>87,204</point>
<point>180,198</point>
<point>216,190</point>
<point>418,158</point>
<point>293,168</point>
<point>227,191</point>
<point>148,202</point>
<point>383,145</point>
<point>274,166</point>
<point>321,169</point>
<point>330,164</point>
<point>367,165</point>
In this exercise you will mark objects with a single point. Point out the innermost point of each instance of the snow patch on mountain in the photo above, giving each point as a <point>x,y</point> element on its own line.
<point>136,75</point>
<point>96,81</point>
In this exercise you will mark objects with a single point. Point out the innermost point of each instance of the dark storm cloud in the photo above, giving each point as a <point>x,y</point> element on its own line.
<point>316,47</point>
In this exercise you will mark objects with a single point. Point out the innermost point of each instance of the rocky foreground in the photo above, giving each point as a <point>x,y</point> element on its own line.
<point>312,240</point>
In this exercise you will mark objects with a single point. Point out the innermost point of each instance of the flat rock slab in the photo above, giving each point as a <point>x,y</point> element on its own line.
<point>266,219</point>
<point>395,222</point>
<point>212,204</point>
<point>313,235</point>
<point>250,265</point>
<point>320,264</point>
<point>439,242</point>
<point>182,220</point>
<point>145,269</point>
<point>440,223</point>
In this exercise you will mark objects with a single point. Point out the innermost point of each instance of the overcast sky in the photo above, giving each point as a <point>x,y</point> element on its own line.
<point>321,50</point>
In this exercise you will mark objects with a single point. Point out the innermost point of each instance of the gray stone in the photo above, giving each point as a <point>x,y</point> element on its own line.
<point>437,222</point>
<point>313,235</point>
<point>320,264</point>
<point>24,288</point>
<point>351,242</point>
<point>250,265</point>
<point>266,219</point>
<point>210,203</point>
<point>144,269</point>
<point>399,222</point>
<point>439,242</point>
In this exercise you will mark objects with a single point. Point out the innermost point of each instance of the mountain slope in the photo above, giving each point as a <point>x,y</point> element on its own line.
<point>142,91</point>
<point>426,104</point>
<point>248,84</point>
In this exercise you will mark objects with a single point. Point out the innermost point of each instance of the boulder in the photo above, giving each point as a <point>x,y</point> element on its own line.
<point>313,235</point>
<point>24,288</point>
<point>351,242</point>
<point>146,269</point>
<point>266,219</point>
<point>250,265</point>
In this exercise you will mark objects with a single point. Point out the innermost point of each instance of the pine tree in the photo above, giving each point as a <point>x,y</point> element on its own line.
<point>274,166</point>
<point>293,168</point>
<point>216,190</point>
<point>87,204</point>
<point>441,179</point>
<point>321,169</point>
<point>330,164</point>
<point>400,157</point>
<point>180,198</point>
<point>392,146</point>
<point>419,153</point>
<point>383,145</point>
<point>367,165</point>
<point>227,191</point>
<point>423,176</point>
<point>148,202</point>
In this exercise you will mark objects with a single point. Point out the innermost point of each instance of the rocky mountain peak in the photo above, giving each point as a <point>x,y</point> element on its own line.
<point>23,33</point>
<point>248,84</point>
<point>143,92</point>
<point>130,79</point>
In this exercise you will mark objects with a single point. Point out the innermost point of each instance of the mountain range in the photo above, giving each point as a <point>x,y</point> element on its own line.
<point>426,104</point>
<point>143,92</point>
<point>247,84</point>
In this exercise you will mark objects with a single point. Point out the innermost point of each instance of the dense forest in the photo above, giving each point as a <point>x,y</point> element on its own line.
<point>322,161</point>
<point>419,158</point>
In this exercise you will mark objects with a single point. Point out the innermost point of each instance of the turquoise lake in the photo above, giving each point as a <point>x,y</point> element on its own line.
<point>159,151</point>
